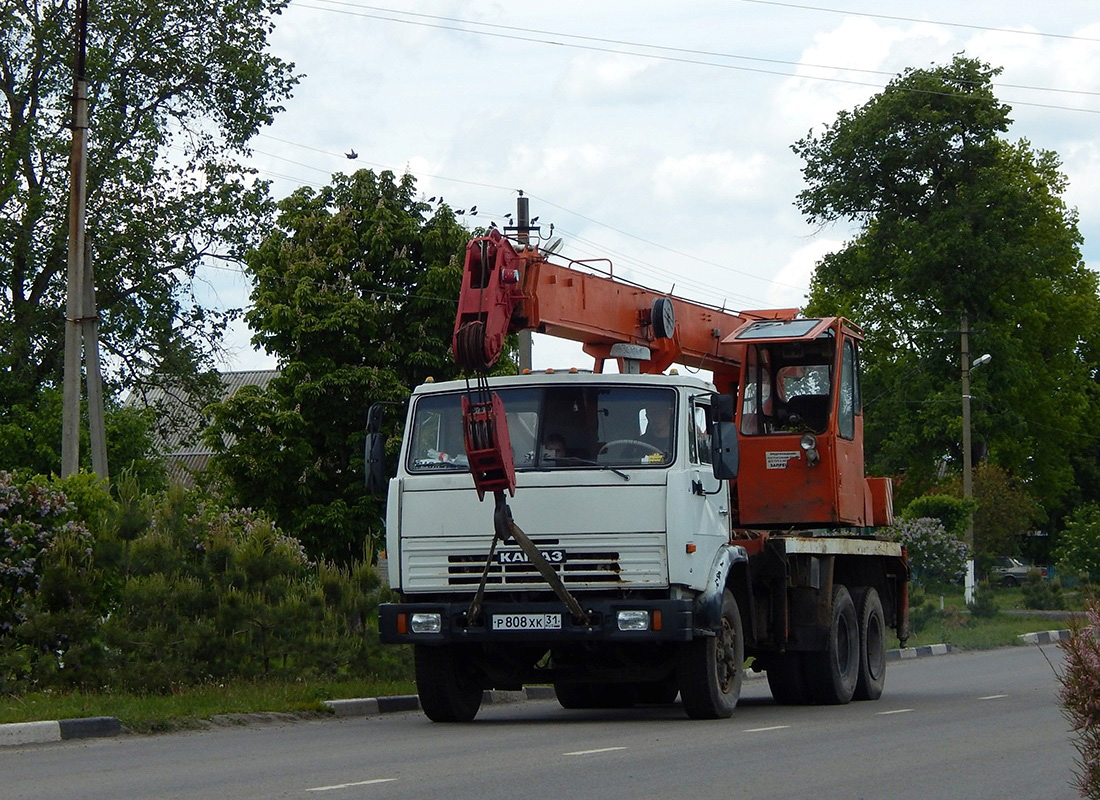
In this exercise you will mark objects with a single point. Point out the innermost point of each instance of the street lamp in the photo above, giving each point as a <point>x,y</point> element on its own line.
<point>968,482</point>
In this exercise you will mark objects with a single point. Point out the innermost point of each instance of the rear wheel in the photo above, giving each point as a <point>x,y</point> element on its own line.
<point>711,669</point>
<point>872,645</point>
<point>833,672</point>
<point>448,685</point>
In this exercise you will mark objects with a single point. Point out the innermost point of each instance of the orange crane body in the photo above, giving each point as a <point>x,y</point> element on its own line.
<point>785,480</point>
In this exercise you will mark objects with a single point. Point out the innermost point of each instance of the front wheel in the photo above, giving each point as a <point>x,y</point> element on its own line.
<point>448,684</point>
<point>711,669</point>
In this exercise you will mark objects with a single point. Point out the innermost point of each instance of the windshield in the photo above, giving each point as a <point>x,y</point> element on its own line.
<point>555,427</point>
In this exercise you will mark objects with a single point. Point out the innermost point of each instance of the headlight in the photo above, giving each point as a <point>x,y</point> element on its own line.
<point>633,620</point>
<point>808,443</point>
<point>427,623</point>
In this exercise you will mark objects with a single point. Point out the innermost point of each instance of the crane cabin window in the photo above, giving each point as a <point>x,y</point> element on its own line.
<point>555,427</point>
<point>788,385</point>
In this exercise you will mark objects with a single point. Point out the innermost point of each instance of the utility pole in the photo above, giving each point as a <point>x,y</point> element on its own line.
<point>80,310</point>
<point>968,486</point>
<point>968,467</point>
<point>523,224</point>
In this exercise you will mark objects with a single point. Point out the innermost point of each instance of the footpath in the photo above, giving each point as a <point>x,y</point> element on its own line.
<point>24,733</point>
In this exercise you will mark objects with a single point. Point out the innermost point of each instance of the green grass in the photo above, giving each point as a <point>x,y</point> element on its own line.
<point>956,626</point>
<point>189,708</point>
<point>970,633</point>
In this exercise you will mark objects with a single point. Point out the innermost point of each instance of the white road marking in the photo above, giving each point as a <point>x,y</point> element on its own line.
<point>993,697</point>
<point>591,752</point>
<point>349,785</point>
<point>895,711</point>
<point>761,730</point>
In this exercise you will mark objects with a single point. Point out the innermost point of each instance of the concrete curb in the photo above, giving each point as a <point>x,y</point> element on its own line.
<point>1046,637</point>
<point>906,653</point>
<point>16,733</point>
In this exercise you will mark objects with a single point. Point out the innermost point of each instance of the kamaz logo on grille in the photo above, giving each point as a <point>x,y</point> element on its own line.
<point>519,557</point>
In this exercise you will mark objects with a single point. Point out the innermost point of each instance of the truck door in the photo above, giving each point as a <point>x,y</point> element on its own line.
<point>800,426</point>
<point>701,503</point>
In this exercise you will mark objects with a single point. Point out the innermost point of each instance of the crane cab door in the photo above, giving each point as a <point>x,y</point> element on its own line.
<point>800,424</point>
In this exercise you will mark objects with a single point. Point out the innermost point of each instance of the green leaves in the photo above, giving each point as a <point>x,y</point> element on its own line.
<point>175,92</point>
<point>356,292</point>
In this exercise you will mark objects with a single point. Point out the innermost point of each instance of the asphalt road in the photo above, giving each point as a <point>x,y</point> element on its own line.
<point>970,725</point>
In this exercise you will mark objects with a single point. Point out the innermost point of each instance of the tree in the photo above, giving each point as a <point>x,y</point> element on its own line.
<point>1004,511</point>
<point>1078,551</point>
<point>355,293</point>
<point>175,93</point>
<point>954,219</point>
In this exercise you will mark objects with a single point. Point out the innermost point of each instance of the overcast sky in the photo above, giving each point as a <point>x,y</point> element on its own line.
<point>656,134</point>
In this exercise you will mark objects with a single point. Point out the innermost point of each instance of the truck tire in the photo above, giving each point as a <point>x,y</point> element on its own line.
<point>711,669</point>
<point>787,680</point>
<point>872,644</point>
<point>448,686</point>
<point>832,673</point>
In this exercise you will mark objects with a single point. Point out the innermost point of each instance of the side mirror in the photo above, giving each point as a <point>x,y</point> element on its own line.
<point>723,450</point>
<point>374,456</point>
<point>723,407</point>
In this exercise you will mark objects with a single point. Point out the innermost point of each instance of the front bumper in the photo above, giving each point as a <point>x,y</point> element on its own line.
<point>670,621</point>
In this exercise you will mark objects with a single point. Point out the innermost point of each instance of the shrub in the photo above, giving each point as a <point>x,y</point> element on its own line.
<point>33,516</point>
<point>952,512</point>
<point>934,554</point>
<point>1080,698</point>
<point>984,605</point>
<point>1042,594</point>
<point>172,591</point>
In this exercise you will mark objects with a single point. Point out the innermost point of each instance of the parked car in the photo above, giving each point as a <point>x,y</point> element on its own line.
<point>1012,571</point>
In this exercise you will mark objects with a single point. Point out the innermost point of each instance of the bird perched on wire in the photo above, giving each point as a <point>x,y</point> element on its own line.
<point>351,154</point>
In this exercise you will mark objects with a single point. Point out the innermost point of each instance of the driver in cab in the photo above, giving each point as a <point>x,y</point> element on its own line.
<point>658,431</point>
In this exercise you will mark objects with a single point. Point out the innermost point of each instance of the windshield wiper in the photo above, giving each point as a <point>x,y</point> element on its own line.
<point>585,462</point>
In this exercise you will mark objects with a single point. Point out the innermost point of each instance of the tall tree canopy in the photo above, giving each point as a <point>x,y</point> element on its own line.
<point>356,292</point>
<point>955,219</point>
<point>175,91</point>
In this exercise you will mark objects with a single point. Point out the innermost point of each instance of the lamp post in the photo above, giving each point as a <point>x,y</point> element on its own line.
<point>968,481</point>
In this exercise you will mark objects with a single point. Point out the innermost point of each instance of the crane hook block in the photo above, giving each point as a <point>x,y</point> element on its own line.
<point>485,431</point>
<point>491,288</point>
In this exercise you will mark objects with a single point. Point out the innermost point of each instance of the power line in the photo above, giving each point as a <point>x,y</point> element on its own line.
<point>619,44</point>
<point>914,19</point>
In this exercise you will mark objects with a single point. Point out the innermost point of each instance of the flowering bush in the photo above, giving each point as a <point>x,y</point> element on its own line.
<point>33,518</point>
<point>1080,698</point>
<point>934,554</point>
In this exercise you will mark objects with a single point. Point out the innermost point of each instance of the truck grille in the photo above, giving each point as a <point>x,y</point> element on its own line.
<point>434,564</point>
<point>580,568</point>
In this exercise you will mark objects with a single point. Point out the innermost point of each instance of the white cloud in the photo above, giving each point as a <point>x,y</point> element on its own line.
<point>603,77</point>
<point>702,177</point>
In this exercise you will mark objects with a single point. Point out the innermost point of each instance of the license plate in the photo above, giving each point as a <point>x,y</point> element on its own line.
<point>526,622</point>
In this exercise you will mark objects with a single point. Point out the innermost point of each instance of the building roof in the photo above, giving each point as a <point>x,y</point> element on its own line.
<point>180,441</point>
